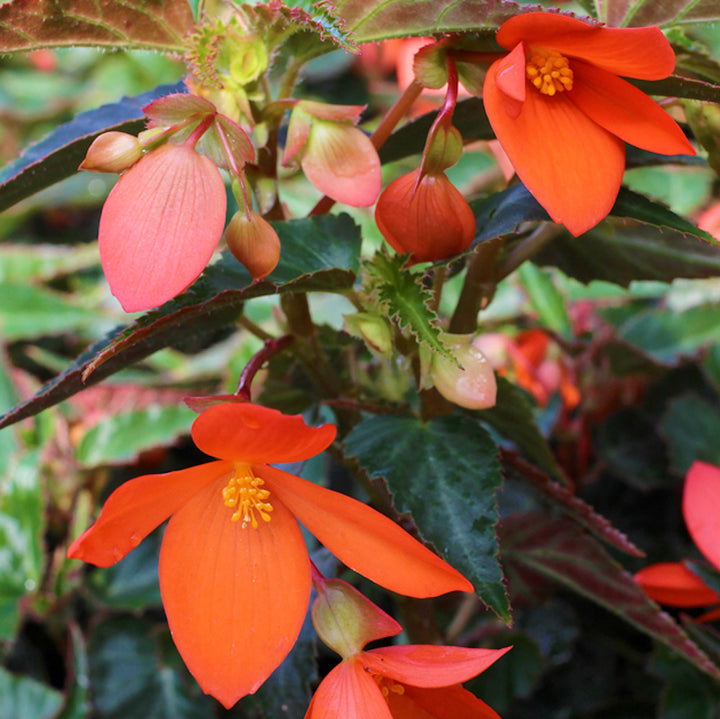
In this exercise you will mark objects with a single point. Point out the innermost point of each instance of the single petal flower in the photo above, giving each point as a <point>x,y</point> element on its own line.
<point>430,219</point>
<point>396,682</point>
<point>563,116</point>
<point>234,570</point>
<point>160,225</point>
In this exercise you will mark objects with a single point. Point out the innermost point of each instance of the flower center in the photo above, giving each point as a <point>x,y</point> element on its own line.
<point>245,495</point>
<point>549,71</point>
<point>388,686</point>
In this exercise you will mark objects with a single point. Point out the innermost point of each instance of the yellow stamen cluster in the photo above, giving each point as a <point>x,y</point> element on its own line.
<point>549,71</point>
<point>245,495</point>
<point>388,686</point>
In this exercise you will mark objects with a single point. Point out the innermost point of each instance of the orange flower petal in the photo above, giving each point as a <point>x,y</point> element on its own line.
<point>627,112</point>
<point>160,225</point>
<point>430,665</point>
<point>250,433</point>
<point>446,703</point>
<point>701,499</point>
<point>672,583</point>
<point>570,164</point>
<point>510,76</point>
<point>235,598</point>
<point>348,691</point>
<point>340,161</point>
<point>135,508</point>
<point>642,52</point>
<point>364,539</point>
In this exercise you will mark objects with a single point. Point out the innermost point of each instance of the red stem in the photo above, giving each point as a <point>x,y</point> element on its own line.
<point>270,348</point>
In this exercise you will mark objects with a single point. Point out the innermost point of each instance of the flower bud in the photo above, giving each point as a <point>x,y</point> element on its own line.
<point>346,620</point>
<point>112,152</point>
<point>253,242</point>
<point>372,329</point>
<point>472,385</point>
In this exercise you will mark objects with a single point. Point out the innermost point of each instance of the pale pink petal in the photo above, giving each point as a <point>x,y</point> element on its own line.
<point>701,508</point>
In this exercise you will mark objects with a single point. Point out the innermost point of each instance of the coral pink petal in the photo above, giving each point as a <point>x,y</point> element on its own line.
<point>627,112</point>
<point>672,583</point>
<point>430,665</point>
<point>235,597</point>
<point>447,703</point>
<point>340,161</point>
<point>701,503</point>
<point>137,507</point>
<point>348,692</point>
<point>643,53</point>
<point>571,165</point>
<point>160,225</point>
<point>364,539</point>
<point>249,433</point>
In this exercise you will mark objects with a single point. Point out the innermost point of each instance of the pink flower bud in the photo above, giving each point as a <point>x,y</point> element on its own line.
<point>433,221</point>
<point>472,385</point>
<point>254,243</point>
<point>112,152</point>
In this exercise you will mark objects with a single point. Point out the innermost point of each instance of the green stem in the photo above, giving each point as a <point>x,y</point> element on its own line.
<point>528,247</point>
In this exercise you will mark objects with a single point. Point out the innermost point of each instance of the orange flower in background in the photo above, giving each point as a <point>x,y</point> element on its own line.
<point>234,569</point>
<point>430,219</point>
<point>673,583</point>
<point>395,682</point>
<point>562,114</point>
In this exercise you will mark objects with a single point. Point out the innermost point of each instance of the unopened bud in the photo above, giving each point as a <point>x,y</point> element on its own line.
<point>253,242</point>
<point>372,329</point>
<point>346,620</point>
<point>112,152</point>
<point>472,385</point>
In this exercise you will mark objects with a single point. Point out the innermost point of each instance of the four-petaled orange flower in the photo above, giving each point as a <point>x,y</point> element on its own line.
<point>673,583</point>
<point>395,682</point>
<point>234,570</point>
<point>562,114</point>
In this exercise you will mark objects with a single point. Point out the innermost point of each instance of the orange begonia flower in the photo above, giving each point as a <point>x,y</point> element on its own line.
<point>562,114</point>
<point>234,569</point>
<point>673,583</point>
<point>160,225</point>
<point>430,218</point>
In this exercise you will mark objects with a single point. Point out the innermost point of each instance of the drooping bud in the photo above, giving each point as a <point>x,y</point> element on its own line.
<point>112,152</point>
<point>253,242</point>
<point>346,620</point>
<point>432,221</point>
<point>372,329</point>
<point>443,150</point>
<point>473,384</point>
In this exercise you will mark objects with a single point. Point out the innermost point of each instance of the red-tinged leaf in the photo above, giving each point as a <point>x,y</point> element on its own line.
<point>559,550</point>
<point>171,109</point>
<point>379,19</point>
<point>319,253</point>
<point>641,13</point>
<point>155,24</point>
<point>572,505</point>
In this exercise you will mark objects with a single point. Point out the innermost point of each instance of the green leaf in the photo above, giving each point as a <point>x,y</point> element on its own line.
<point>319,253</point>
<point>25,698</point>
<point>129,676</point>
<point>151,24</point>
<point>406,301</point>
<point>691,427</point>
<point>22,524</point>
<point>27,311</point>
<point>77,704</point>
<point>545,299</point>
<point>556,548</point>
<point>58,155</point>
<point>444,474</point>
<point>513,416</point>
<point>371,20</point>
<point>120,438</point>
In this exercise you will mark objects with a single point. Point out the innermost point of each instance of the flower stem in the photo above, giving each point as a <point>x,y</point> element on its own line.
<point>269,349</point>
<point>527,248</point>
<point>200,130</point>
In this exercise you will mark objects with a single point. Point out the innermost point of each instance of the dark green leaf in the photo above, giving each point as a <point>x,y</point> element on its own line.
<point>58,155</point>
<point>129,679</point>
<point>319,253</point>
<point>558,549</point>
<point>444,474</point>
<point>152,24</point>
<point>25,698</point>
<point>691,427</point>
